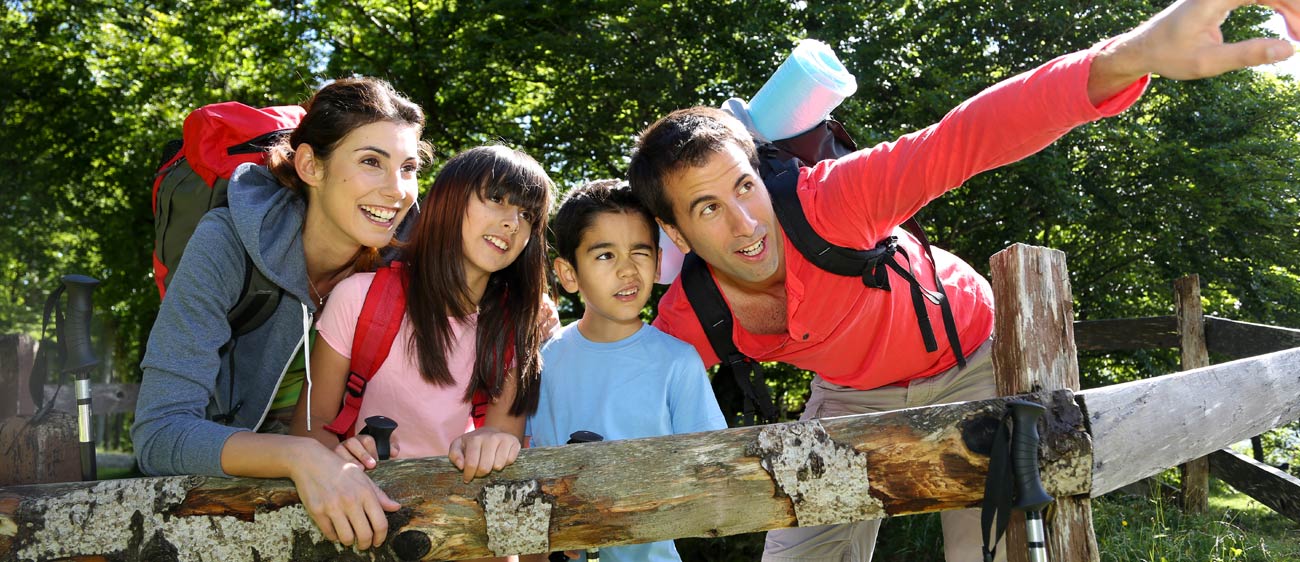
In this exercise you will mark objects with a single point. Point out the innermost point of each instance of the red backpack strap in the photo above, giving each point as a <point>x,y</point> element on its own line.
<point>381,318</point>
<point>479,404</point>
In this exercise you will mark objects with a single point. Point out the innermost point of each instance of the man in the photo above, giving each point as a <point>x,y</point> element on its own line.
<point>696,171</point>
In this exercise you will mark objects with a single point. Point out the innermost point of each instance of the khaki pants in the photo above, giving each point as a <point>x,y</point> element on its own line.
<point>855,542</point>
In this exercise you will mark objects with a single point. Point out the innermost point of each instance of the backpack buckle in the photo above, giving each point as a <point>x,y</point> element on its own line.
<point>356,384</point>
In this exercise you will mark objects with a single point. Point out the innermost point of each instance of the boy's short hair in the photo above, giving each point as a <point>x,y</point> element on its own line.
<point>686,137</point>
<point>582,204</point>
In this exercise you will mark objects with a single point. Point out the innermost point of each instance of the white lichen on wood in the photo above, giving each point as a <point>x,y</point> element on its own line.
<point>827,482</point>
<point>99,520</point>
<point>518,518</point>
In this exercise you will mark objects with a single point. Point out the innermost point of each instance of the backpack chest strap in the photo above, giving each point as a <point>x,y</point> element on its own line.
<point>870,265</point>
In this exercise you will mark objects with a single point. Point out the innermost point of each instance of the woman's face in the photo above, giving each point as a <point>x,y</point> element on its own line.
<point>495,232</point>
<point>369,183</point>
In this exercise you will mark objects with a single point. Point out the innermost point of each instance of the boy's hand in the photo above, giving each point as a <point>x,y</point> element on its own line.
<point>483,450</point>
<point>361,449</point>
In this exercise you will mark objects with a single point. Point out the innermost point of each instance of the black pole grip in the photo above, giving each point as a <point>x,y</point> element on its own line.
<point>381,428</point>
<point>81,355</point>
<point>584,436</point>
<point>1030,495</point>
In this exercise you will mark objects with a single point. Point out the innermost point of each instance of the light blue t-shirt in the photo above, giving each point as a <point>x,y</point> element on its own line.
<point>646,385</point>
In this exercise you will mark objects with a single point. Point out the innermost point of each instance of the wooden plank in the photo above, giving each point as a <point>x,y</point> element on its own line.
<point>1191,333</point>
<point>17,353</point>
<point>1237,339</point>
<point>1142,427</point>
<point>1272,487</point>
<point>594,494</point>
<point>1035,349</point>
<point>39,452</point>
<point>105,398</point>
<point>1126,334</point>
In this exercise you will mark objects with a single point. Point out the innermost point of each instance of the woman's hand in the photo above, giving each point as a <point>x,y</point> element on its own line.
<point>343,502</point>
<point>483,450</point>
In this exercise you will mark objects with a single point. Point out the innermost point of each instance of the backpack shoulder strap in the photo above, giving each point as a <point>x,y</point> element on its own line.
<point>782,178</point>
<point>257,300</point>
<point>381,318</point>
<point>716,319</point>
<point>782,185</point>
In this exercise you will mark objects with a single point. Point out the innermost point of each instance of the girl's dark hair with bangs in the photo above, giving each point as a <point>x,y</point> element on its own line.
<point>509,326</point>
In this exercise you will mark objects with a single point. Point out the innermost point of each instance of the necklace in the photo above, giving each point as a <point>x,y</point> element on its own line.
<point>320,299</point>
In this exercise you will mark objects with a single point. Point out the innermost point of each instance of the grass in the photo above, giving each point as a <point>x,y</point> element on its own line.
<point>1235,528</point>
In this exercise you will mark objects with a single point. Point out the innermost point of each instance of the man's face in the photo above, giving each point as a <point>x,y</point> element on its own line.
<point>725,216</point>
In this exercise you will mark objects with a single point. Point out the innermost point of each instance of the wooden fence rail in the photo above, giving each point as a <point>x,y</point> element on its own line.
<point>706,484</point>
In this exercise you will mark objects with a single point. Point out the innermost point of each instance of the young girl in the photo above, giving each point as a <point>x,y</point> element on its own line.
<point>332,193</point>
<point>475,273</point>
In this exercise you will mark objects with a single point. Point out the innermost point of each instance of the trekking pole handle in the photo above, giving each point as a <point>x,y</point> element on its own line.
<point>80,361</point>
<point>1030,495</point>
<point>381,428</point>
<point>81,355</point>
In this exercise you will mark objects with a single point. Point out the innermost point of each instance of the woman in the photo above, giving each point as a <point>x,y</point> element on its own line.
<point>330,196</point>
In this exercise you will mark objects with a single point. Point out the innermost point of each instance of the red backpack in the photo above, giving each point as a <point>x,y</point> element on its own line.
<point>381,317</point>
<point>193,179</point>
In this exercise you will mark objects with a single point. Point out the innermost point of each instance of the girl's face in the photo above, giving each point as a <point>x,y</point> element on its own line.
<point>495,232</point>
<point>368,184</point>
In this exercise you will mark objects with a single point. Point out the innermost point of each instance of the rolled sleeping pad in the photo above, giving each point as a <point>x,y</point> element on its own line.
<point>801,93</point>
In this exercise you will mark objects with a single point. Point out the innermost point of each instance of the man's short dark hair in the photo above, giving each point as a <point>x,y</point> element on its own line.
<point>581,206</point>
<point>686,137</point>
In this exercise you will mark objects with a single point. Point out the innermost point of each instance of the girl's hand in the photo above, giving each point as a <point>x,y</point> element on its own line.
<point>362,449</point>
<point>483,450</point>
<point>346,505</point>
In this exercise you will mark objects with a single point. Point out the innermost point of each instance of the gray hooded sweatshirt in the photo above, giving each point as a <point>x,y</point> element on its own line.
<point>193,369</point>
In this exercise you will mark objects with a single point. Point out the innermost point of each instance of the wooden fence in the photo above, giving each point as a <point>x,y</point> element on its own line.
<point>718,483</point>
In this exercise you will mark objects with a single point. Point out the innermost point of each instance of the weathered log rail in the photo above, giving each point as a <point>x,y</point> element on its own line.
<point>706,484</point>
<point>597,494</point>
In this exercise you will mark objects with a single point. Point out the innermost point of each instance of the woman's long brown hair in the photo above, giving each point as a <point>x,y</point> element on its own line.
<point>333,112</point>
<point>510,307</point>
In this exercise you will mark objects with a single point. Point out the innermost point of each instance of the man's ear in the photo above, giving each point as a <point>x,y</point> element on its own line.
<point>567,275</point>
<point>309,167</point>
<point>676,236</point>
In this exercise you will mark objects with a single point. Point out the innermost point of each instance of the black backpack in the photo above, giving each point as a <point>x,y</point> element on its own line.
<point>739,385</point>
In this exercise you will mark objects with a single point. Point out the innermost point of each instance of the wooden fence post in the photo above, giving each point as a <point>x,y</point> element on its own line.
<point>1034,349</point>
<point>1191,334</point>
<point>33,452</point>
<point>17,353</point>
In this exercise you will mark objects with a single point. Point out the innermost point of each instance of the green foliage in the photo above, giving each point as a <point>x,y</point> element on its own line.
<point>1198,177</point>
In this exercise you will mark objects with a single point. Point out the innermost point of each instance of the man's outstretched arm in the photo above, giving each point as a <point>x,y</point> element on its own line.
<point>1184,42</point>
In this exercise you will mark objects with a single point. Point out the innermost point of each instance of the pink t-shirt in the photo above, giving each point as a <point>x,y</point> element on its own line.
<point>429,417</point>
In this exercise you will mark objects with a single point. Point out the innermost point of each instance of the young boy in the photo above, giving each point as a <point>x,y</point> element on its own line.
<point>609,372</point>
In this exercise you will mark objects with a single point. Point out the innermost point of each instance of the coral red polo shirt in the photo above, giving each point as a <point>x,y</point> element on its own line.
<point>866,338</point>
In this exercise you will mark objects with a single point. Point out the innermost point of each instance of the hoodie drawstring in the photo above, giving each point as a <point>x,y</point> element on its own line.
<point>306,347</point>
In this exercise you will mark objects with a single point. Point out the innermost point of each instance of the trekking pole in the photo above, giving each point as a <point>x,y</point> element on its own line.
<point>580,436</point>
<point>381,428</point>
<point>81,361</point>
<point>1030,495</point>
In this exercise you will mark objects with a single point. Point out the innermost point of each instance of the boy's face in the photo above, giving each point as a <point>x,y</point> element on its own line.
<point>615,269</point>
